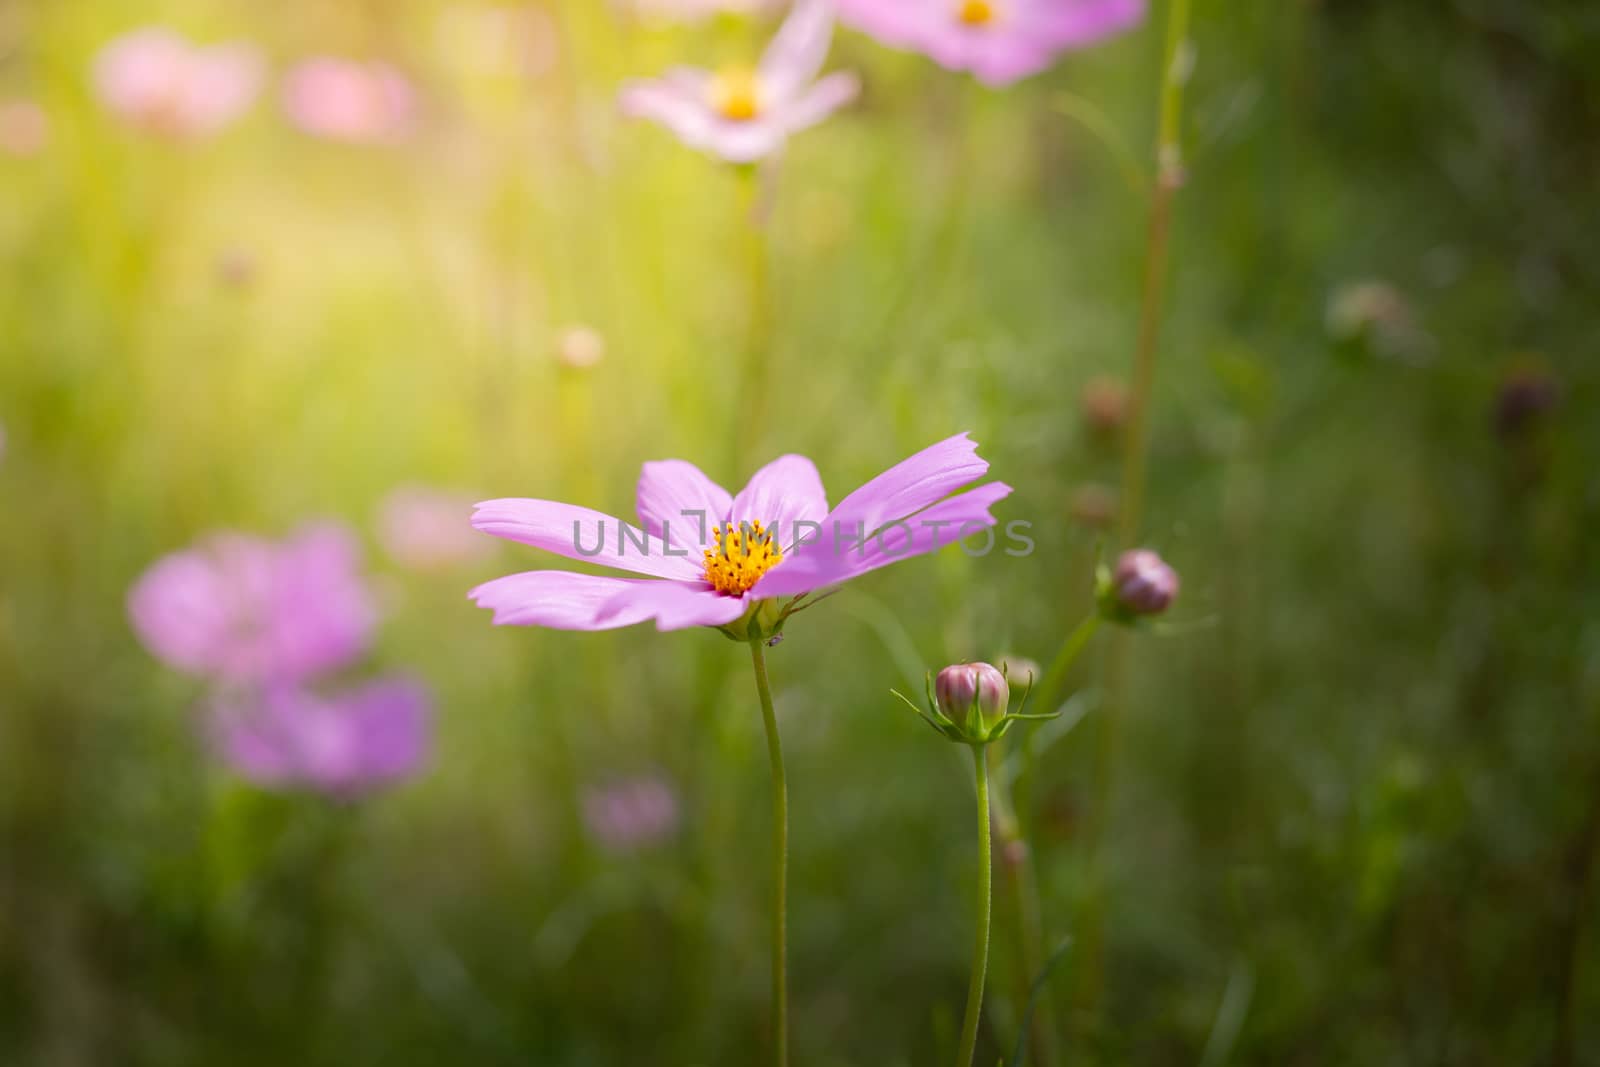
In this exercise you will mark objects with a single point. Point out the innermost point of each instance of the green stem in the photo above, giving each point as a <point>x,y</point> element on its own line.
<point>780,863</point>
<point>755,385</point>
<point>980,941</point>
<point>1027,929</point>
<point>1050,685</point>
<point>1169,176</point>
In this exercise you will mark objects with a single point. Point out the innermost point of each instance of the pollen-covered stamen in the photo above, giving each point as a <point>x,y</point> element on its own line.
<point>976,12</point>
<point>742,554</point>
<point>736,94</point>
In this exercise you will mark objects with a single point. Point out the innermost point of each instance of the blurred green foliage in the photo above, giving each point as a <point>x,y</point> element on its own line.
<point>1357,804</point>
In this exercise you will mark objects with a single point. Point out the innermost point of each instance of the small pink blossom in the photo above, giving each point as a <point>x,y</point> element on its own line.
<point>343,744</point>
<point>24,128</point>
<point>998,41</point>
<point>422,529</point>
<point>346,100</point>
<point>631,814</point>
<point>237,608</point>
<point>743,114</point>
<point>160,83</point>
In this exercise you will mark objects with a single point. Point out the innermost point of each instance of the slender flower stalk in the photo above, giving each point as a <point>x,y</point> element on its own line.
<point>969,704</point>
<point>758,334</point>
<point>1176,61</point>
<point>1071,648</point>
<point>780,861</point>
<point>1028,929</point>
<point>1169,177</point>
<point>980,937</point>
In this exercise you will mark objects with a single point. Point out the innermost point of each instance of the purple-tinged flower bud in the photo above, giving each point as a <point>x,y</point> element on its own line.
<point>1525,395</point>
<point>1143,583</point>
<point>959,687</point>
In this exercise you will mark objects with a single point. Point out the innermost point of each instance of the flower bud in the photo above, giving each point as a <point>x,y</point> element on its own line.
<point>1093,505</point>
<point>580,347</point>
<point>1105,405</point>
<point>1525,396</point>
<point>1020,669</point>
<point>1143,583</point>
<point>957,689</point>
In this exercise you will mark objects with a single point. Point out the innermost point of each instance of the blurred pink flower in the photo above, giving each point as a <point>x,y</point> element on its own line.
<point>237,608</point>
<point>999,41</point>
<point>423,529</point>
<point>159,82</point>
<point>742,114</point>
<point>346,100</point>
<point>24,128</point>
<point>631,814</point>
<point>342,744</point>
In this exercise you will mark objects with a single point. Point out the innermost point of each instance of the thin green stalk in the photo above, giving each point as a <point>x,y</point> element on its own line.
<point>1050,684</point>
<point>780,863</point>
<point>1135,444</point>
<point>1027,929</point>
<point>980,941</point>
<point>1169,176</point>
<point>754,385</point>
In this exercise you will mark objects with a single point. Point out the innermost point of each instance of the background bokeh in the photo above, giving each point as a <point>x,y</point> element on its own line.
<point>1356,803</point>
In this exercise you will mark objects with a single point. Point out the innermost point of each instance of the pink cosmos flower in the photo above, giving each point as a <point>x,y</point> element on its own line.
<point>742,114</point>
<point>631,814</point>
<point>243,609</point>
<point>344,744</point>
<point>421,529</point>
<point>999,41</point>
<point>162,84</point>
<point>24,128</point>
<point>345,100</point>
<point>710,557</point>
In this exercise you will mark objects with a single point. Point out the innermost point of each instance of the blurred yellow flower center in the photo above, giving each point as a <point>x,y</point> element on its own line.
<point>742,555</point>
<point>976,12</point>
<point>736,94</point>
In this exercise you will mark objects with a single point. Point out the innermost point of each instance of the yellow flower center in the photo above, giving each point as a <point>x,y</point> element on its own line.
<point>742,554</point>
<point>736,94</point>
<point>976,12</point>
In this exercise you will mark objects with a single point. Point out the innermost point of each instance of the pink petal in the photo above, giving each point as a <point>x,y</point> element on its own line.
<point>678,494</point>
<point>676,104</point>
<point>677,101</point>
<point>223,81</point>
<point>580,533</point>
<point>821,100</point>
<point>342,744</point>
<point>1085,22</point>
<point>830,561</point>
<point>1001,63</point>
<point>674,605</point>
<point>796,54</point>
<point>785,491</point>
<point>913,484</point>
<point>562,600</point>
